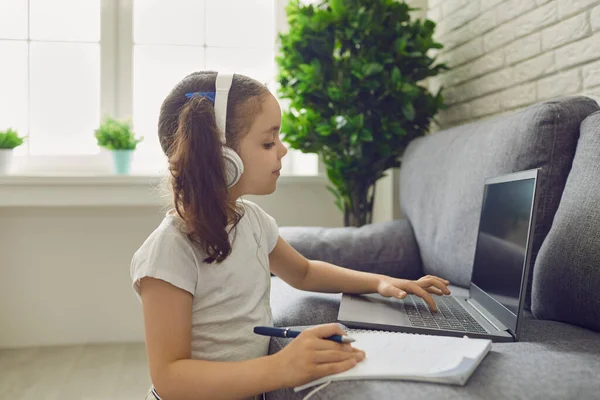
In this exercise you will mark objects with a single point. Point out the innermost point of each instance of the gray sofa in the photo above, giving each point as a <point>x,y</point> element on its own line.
<point>558,356</point>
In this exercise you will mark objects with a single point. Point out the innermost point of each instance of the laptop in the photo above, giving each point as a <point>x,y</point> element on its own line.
<point>494,307</point>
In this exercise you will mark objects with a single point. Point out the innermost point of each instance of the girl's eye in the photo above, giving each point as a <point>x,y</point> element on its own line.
<point>269,145</point>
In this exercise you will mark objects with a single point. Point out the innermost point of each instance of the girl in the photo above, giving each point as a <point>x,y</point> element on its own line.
<point>203,276</point>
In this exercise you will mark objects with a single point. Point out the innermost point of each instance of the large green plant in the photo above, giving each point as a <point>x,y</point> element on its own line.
<point>9,139</point>
<point>113,134</point>
<point>351,71</point>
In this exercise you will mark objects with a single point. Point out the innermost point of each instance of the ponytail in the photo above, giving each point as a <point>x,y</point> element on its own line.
<point>198,172</point>
<point>190,138</point>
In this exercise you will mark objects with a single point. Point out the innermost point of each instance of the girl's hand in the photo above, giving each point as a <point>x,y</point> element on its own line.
<point>309,356</point>
<point>392,287</point>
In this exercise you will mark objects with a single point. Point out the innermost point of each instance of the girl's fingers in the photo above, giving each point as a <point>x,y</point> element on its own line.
<point>433,281</point>
<point>393,291</point>
<point>325,330</point>
<point>324,344</point>
<point>445,281</point>
<point>333,356</point>
<point>335,367</point>
<point>422,293</point>
<point>434,290</point>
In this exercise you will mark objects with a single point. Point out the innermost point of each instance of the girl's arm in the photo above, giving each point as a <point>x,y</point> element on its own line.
<point>319,276</point>
<point>168,327</point>
<point>167,321</point>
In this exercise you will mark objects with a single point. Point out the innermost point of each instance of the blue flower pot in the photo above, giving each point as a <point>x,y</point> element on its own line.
<point>122,161</point>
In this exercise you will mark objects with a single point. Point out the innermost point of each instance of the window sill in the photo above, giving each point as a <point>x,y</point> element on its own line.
<point>98,190</point>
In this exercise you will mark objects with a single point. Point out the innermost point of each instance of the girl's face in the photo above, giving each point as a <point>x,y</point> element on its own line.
<point>261,152</point>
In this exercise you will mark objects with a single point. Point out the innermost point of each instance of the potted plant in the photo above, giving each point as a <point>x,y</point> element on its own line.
<point>9,140</point>
<point>118,137</point>
<point>351,71</point>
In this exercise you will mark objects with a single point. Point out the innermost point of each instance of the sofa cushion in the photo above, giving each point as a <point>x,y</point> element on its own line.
<point>385,248</point>
<point>552,360</point>
<point>442,176</point>
<point>292,307</point>
<point>566,279</point>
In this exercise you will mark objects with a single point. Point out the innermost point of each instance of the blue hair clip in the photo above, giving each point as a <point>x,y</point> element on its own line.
<point>209,95</point>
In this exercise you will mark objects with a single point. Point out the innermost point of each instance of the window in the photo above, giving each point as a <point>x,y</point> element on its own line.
<point>121,58</point>
<point>50,80</point>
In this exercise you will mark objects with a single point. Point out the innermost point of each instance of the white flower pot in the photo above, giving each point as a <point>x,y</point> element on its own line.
<point>6,156</point>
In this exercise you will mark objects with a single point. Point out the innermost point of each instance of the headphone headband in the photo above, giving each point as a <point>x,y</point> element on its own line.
<point>223,84</point>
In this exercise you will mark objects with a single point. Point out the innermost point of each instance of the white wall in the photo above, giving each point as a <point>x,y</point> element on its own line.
<point>64,271</point>
<point>508,54</point>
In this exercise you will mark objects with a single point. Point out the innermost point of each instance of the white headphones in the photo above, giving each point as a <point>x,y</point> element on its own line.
<point>234,168</point>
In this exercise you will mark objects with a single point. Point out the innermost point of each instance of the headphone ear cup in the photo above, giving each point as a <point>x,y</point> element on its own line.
<point>234,167</point>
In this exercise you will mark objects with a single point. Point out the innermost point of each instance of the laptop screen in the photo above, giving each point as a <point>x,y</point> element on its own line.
<point>500,255</point>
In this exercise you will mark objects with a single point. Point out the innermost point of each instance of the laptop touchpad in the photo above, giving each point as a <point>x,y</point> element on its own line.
<point>373,308</point>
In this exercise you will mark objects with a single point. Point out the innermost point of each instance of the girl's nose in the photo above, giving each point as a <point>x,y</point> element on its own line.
<point>283,151</point>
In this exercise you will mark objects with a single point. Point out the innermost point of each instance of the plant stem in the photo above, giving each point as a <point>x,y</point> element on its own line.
<point>358,205</point>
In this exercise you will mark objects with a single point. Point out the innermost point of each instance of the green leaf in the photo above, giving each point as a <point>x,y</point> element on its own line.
<point>359,120</point>
<point>396,76</point>
<point>349,32</point>
<point>334,93</point>
<point>409,111</point>
<point>400,45</point>
<point>410,90</point>
<point>372,69</point>
<point>114,134</point>
<point>366,135</point>
<point>338,7</point>
<point>338,199</point>
<point>397,129</point>
<point>9,139</point>
<point>324,129</point>
<point>429,25</point>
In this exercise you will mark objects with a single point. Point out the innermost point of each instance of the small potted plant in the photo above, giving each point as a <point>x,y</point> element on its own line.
<point>9,139</point>
<point>118,137</point>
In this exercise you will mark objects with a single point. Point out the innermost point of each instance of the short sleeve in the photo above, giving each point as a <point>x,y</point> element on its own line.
<point>165,255</point>
<point>268,225</point>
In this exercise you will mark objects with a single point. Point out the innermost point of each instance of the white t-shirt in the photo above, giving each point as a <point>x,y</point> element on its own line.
<point>230,298</point>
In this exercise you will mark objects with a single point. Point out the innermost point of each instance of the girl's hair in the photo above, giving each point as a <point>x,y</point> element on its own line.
<point>188,135</point>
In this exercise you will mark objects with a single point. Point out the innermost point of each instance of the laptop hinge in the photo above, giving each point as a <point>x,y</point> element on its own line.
<point>493,321</point>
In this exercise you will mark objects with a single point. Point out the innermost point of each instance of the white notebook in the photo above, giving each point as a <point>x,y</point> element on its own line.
<point>404,356</point>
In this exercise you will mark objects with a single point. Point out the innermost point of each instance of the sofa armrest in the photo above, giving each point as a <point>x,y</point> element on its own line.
<point>386,248</point>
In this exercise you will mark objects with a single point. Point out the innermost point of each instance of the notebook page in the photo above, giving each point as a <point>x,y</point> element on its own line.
<point>393,355</point>
<point>407,354</point>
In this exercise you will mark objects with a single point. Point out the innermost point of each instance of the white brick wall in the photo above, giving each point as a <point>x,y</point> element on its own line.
<point>591,75</point>
<point>595,19</point>
<point>508,54</point>
<point>566,31</point>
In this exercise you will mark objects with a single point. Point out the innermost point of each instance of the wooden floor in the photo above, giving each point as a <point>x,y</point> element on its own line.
<point>85,372</point>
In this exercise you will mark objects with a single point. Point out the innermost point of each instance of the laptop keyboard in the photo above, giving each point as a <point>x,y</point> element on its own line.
<point>451,315</point>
